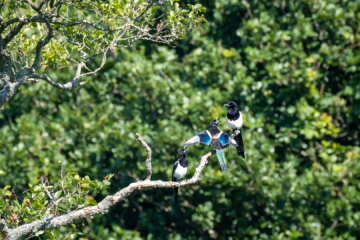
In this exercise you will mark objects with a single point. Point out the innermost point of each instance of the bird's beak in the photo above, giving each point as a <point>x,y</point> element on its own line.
<point>226,105</point>
<point>217,122</point>
<point>186,150</point>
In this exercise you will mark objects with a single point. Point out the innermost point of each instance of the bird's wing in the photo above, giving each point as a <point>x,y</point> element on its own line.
<point>202,137</point>
<point>175,166</point>
<point>225,139</point>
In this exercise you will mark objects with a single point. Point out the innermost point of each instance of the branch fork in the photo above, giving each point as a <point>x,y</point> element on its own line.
<point>102,207</point>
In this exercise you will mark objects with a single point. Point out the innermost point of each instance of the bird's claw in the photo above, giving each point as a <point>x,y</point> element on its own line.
<point>235,133</point>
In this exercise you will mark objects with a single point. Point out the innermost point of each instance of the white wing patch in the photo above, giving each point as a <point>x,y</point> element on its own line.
<point>235,124</point>
<point>192,141</point>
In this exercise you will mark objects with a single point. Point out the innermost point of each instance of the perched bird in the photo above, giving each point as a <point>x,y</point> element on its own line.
<point>218,139</point>
<point>234,120</point>
<point>179,170</point>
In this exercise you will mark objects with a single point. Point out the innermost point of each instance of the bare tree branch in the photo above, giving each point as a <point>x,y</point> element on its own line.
<point>9,90</point>
<point>94,25</point>
<point>42,43</point>
<point>62,178</point>
<point>21,22</point>
<point>105,51</point>
<point>103,206</point>
<point>67,86</point>
<point>46,190</point>
<point>53,204</point>
<point>148,159</point>
<point>5,24</point>
<point>13,32</point>
<point>33,6</point>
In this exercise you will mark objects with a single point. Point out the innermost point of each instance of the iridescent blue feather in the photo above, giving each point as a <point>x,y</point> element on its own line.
<point>221,157</point>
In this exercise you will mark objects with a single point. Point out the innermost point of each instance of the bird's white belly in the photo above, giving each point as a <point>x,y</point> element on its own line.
<point>180,172</point>
<point>235,124</point>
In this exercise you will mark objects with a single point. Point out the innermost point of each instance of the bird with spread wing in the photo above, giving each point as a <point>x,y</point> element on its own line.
<point>215,137</point>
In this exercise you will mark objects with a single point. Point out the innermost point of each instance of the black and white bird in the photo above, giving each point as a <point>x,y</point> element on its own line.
<point>218,139</point>
<point>179,170</point>
<point>234,120</point>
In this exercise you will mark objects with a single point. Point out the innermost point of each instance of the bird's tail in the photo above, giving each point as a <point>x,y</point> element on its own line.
<point>175,190</point>
<point>175,195</point>
<point>221,157</point>
<point>240,147</point>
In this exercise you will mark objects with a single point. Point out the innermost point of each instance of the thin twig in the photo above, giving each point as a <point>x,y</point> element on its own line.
<point>62,178</point>
<point>46,190</point>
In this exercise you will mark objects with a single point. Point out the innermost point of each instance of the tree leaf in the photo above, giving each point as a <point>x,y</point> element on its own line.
<point>58,194</point>
<point>191,14</point>
<point>41,195</point>
<point>91,202</point>
<point>37,188</point>
<point>38,233</point>
<point>73,227</point>
<point>106,182</point>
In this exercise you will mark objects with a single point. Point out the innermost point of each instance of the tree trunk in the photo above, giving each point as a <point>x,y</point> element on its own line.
<point>7,91</point>
<point>7,88</point>
<point>5,62</point>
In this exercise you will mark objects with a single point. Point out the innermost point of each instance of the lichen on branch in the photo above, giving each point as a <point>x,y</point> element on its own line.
<point>49,217</point>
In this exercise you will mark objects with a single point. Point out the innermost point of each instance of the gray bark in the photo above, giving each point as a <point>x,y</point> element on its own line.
<point>4,230</point>
<point>5,62</point>
<point>102,207</point>
<point>7,88</point>
<point>8,91</point>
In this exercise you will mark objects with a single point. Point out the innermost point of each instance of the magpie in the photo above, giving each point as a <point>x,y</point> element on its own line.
<point>218,139</point>
<point>234,120</point>
<point>179,170</point>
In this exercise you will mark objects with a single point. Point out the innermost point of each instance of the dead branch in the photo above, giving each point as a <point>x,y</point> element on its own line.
<point>148,159</point>
<point>102,207</point>
<point>68,86</point>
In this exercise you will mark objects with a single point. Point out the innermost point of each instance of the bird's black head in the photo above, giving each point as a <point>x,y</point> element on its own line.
<point>182,153</point>
<point>214,123</point>
<point>231,105</point>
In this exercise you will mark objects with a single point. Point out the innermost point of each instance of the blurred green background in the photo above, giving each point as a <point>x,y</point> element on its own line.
<point>293,68</point>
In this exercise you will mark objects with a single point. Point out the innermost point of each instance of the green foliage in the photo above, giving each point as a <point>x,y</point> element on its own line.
<point>293,68</point>
<point>84,29</point>
<point>69,193</point>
